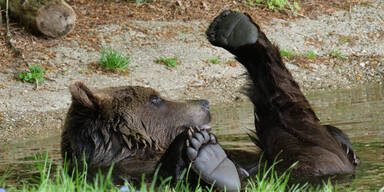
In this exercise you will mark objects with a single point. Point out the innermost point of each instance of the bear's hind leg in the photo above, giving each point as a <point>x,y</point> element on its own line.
<point>210,161</point>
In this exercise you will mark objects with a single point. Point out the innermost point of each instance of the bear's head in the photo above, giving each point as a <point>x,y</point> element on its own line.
<point>111,124</point>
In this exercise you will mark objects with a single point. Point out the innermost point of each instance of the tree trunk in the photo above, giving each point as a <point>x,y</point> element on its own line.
<point>53,18</point>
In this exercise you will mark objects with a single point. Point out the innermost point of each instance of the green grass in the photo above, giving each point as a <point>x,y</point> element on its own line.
<point>213,60</point>
<point>57,179</point>
<point>51,179</point>
<point>310,55</point>
<point>112,60</point>
<point>287,53</point>
<point>277,4</point>
<point>251,2</point>
<point>34,74</point>
<point>170,62</point>
<point>2,179</point>
<point>290,54</point>
<point>346,39</point>
<point>336,54</point>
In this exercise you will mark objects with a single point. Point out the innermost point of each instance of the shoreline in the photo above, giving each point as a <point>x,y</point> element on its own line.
<point>354,34</point>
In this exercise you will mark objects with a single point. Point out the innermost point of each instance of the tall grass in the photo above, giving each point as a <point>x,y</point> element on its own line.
<point>58,179</point>
<point>112,60</point>
<point>2,179</point>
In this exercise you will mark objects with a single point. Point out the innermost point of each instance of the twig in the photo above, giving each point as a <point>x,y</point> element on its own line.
<point>36,84</point>
<point>50,79</point>
<point>8,34</point>
<point>305,36</point>
<point>378,17</point>
<point>1,18</point>
<point>301,15</point>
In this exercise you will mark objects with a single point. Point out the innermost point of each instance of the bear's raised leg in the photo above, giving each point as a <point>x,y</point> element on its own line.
<point>210,161</point>
<point>286,125</point>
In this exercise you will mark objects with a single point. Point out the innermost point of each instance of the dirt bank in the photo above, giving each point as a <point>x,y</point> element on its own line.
<point>355,34</point>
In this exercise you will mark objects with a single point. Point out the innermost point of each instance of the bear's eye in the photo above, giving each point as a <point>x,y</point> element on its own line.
<point>154,99</point>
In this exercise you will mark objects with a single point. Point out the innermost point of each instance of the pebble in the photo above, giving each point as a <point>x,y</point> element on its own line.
<point>125,189</point>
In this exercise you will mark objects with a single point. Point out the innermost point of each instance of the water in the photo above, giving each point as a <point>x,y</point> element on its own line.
<point>359,112</point>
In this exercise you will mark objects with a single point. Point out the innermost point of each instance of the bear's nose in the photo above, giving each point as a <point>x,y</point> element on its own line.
<point>204,104</point>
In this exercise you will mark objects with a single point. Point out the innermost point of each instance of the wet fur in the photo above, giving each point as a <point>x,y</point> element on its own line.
<point>121,126</point>
<point>285,123</point>
<point>286,126</point>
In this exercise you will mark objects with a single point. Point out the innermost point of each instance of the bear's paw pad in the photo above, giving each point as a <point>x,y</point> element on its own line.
<point>231,30</point>
<point>210,161</point>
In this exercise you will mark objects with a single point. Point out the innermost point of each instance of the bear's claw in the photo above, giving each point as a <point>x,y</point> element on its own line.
<point>231,30</point>
<point>210,161</point>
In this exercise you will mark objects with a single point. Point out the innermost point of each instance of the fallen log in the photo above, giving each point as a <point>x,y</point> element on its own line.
<point>53,18</point>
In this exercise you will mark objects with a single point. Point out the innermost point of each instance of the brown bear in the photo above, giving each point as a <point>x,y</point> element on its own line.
<point>136,129</point>
<point>133,127</point>
<point>286,126</point>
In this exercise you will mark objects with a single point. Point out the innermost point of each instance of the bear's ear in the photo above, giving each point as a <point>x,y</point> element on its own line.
<point>84,96</point>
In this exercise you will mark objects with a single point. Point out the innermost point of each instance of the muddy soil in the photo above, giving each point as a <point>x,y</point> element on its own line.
<point>348,43</point>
